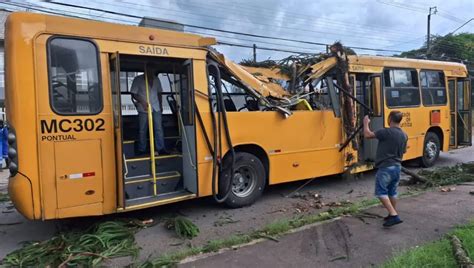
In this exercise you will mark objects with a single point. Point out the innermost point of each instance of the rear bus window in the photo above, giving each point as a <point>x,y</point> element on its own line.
<point>401,88</point>
<point>74,76</point>
<point>433,89</point>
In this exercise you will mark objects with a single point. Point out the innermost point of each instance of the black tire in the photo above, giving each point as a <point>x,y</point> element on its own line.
<point>431,150</point>
<point>248,180</point>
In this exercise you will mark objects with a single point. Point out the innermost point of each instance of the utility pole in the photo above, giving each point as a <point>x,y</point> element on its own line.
<point>428,31</point>
<point>254,53</point>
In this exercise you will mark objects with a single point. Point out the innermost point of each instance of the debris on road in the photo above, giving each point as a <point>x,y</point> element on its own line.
<point>449,189</point>
<point>10,223</point>
<point>338,258</point>
<point>281,210</point>
<point>183,227</point>
<point>84,248</point>
<point>460,254</point>
<point>147,222</point>
<point>449,175</point>
<point>414,177</point>
<point>269,237</point>
<point>223,220</point>
<point>301,207</point>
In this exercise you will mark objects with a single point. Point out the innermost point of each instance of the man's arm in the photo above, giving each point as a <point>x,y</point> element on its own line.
<point>368,134</point>
<point>160,95</point>
<point>134,90</point>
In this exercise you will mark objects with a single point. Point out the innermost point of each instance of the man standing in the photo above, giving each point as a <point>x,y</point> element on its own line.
<point>139,95</point>
<point>4,145</point>
<point>390,150</point>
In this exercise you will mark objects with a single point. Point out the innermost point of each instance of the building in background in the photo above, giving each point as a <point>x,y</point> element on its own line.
<point>3,18</point>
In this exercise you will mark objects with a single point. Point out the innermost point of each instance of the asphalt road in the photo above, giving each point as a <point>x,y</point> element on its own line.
<point>356,241</point>
<point>214,221</point>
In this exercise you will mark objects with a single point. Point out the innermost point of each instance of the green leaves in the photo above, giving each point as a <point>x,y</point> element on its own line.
<point>183,227</point>
<point>80,248</point>
<point>449,175</point>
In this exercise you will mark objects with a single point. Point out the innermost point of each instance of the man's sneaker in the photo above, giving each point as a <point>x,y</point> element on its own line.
<point>392,220</point>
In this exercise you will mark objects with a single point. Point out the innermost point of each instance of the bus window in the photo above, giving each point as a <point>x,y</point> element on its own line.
<point>401,88</point>
<point>74,76</point>
<point>236,98</point>
<point>433,89</point>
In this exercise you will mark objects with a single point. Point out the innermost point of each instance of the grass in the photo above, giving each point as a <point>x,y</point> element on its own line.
<point>4,197</point>
<point>466,235</point>
<point>435,254</point>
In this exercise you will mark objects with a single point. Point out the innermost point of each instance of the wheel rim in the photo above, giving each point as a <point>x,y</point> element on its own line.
<point>431,150</point>
<point>244,181</point>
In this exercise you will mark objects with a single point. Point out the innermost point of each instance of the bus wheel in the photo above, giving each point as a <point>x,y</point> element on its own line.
<point>431,149</point>
<point>248,180</point>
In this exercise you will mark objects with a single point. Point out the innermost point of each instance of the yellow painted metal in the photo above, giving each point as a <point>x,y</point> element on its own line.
<point>151,132</point>
<point>377,95</point>
<point>156,157</point>
<point>303,105</point>
<point>361,168</point>
<point>158,203</point>
<point>158,177</point>
<point>321,68</point>
<point>265,89</point>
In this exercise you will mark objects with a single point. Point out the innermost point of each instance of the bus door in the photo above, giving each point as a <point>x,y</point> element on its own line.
<point>149,175</point>
<point>117,116</point>
<point>460,105</point>
<point>74,128</point>
<point>368,88</point>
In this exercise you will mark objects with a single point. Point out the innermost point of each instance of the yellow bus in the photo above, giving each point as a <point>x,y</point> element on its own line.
<point>231,130</point>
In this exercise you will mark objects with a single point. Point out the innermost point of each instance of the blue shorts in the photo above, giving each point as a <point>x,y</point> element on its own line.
<point>386,181</point>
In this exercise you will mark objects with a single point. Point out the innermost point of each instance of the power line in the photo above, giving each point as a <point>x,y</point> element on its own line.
<point>220,30</point>
<point>255,9</point>
<point>419,9</point>
<point>206,16</point>
<point>462,25</point>
<point>264,48</point>
<point>248,40</point>
<point>219,43</point>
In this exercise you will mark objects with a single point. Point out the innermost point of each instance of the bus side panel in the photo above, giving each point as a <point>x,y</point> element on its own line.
<point>302,146</point>
<point>58,199</point>
<point>305,145</point>
<point>204,157</point>
<point>21,106</point>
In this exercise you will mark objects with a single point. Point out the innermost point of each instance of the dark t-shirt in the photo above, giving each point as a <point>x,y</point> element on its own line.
<point>391,147</point>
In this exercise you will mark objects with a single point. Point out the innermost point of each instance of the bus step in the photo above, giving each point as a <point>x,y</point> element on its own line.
<point>141,166</point>
<point>129,146</point>
<point>143,187</point>
<point>159,176</point>
<point>160,197</point>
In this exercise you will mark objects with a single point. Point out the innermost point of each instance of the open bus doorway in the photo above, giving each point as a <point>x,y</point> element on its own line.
<point>173,173</point>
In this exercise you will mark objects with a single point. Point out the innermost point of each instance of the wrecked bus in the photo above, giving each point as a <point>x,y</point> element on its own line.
<point>231,129</point>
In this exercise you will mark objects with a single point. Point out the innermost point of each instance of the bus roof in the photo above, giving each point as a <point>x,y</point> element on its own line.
<point>405,63</point>
<point>36,23</point>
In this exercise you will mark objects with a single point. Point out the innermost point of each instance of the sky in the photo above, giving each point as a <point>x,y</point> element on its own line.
<point>397,25</point>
